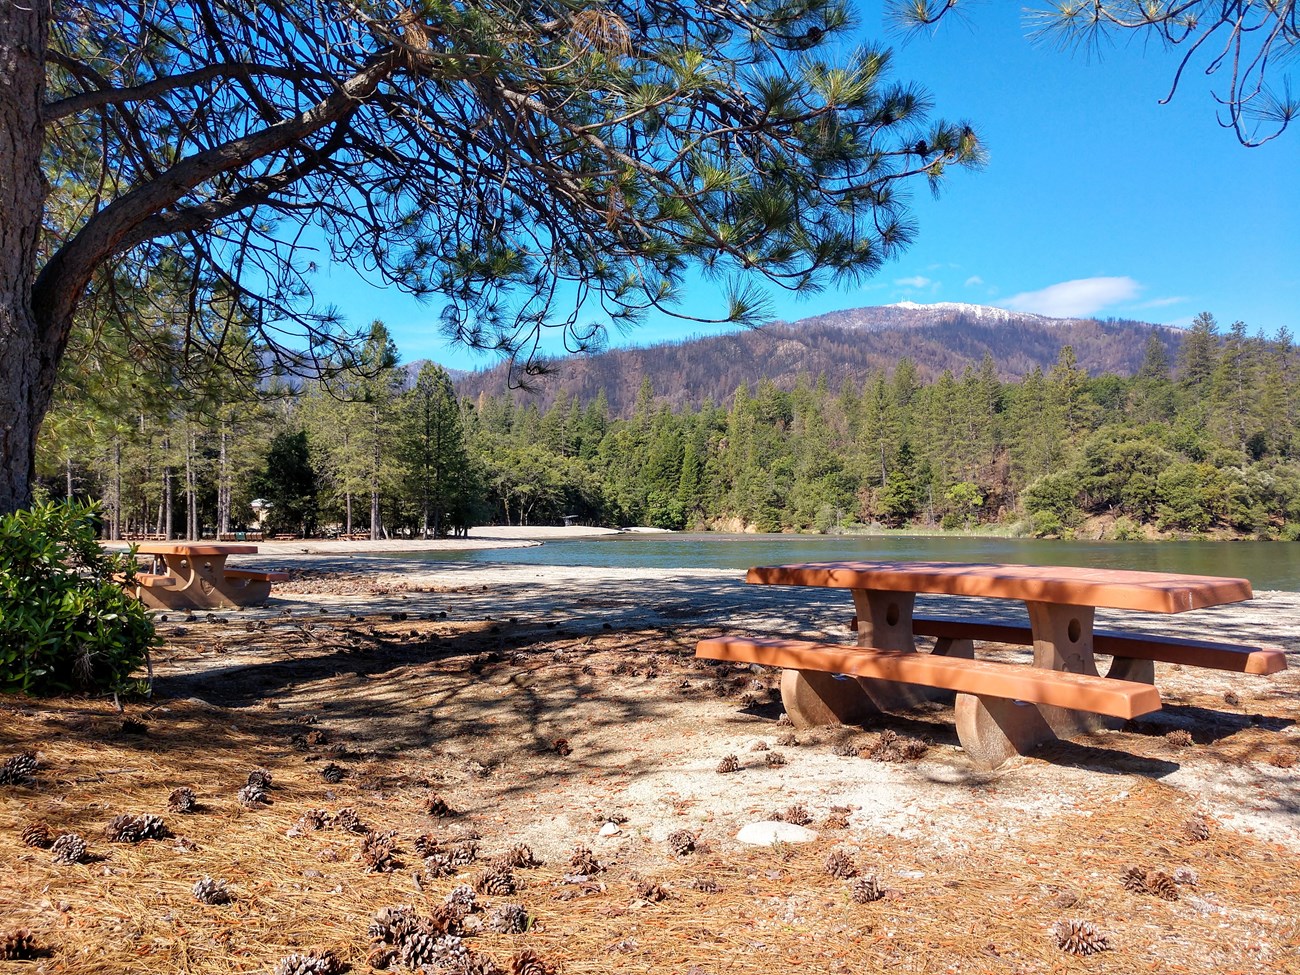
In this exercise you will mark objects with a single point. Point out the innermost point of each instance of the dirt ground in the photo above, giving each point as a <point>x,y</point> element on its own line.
<point>539,705</point>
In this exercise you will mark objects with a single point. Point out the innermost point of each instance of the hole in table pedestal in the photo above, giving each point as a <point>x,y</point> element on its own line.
<point>1074,630</point>
<point>892,614</point>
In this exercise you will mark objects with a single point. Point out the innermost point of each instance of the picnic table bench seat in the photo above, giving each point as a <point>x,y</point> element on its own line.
<point>253,576</point>
<point>1207,654</point>
<point>817,688</point>
<point>1129,650</point>
<point>251,588</point>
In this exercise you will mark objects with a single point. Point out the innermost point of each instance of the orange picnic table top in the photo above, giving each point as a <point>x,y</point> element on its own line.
<point>1157,592</point>
<point>193,548</point>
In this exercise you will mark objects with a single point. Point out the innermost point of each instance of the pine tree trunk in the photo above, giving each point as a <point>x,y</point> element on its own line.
<point>191,490</point>
<point>26,371</point>
<point>348,503</point>
<point>169,503</point>
<point>116,533</point>
<point>223,484</point>
<point>374,484</point>
<point>67,471</point>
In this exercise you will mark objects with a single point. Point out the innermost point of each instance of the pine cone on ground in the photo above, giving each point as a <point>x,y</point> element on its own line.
<point>795,814</point>
<point>311,963</point>
<point>252,796</point>
<point>1079,937</point>
<point>19,945</point>
<point>1186,876</point>
<point>837,818</point>
<point>377,852</point>
<point>348,820</point>
<point>436,866</point>
<point>1135,879</point>
<point>839,864</point>
<point>260,776</point>
<point>846,749</point>
<point>758,746</point>
<point>435,951</point>
<point>182,800</point>
<point>520,855</point>
<point>333,773</point>
<point>481,965</point>
<point>729,763</point>
<point>774,759</point>
<point>37,835</point>
<point>1197,829</point>
<point>787,740</point>
<point>68,848</point>
<point>312,820</point>
<point>206,890</point>
<point>649,891</point>
<point>462,898</point>
<point>914,748</point>
<point>392,924</point>
<point>18,769</point>
<point>867,889</point>
<point>128,828</point>
<point>562,747</point>
<point>435,805</point>
<point>705,885</point>
<point>529,962</point>
<point>508,919</point>
<point>463,852</point>
<point>1180,738</point>
<point>496,882</point>
<point>681,842</point>
<point>1160,884</point>
<point>583,861</point>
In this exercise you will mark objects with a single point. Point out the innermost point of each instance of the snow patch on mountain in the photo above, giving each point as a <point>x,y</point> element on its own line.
<point>985,312</point>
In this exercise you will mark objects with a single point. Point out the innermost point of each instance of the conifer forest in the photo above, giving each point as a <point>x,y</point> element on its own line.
<point>1205,444</point>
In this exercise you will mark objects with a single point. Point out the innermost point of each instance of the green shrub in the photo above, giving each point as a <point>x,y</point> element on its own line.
<point>65,624</point>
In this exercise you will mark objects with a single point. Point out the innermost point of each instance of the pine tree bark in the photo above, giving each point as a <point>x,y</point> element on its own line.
<point>27,365</point>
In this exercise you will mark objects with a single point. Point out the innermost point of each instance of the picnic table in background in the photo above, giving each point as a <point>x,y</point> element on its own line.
<point>1002,709</point>
<point>193,575</point>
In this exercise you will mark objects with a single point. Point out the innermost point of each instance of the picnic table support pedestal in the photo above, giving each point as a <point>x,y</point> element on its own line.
<point>885,622</point>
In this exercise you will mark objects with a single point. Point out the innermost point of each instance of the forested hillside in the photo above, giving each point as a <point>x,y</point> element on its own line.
<point>1206,443</point>
<point>842,345</point>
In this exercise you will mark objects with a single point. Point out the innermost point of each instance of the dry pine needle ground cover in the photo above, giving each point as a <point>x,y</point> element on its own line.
<point>489,734</point>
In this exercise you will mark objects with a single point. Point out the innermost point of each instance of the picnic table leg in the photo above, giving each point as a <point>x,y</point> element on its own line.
<point>992,730</point>
<point>885,622</point>
<point>1130,668</point>
<point>814,697</point>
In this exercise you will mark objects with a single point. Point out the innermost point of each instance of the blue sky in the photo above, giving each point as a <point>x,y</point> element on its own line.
<point>1096,199</point>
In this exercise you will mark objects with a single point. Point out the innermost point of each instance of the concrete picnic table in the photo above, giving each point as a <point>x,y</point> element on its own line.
<point>193,575</point>
<point>1001,709</point>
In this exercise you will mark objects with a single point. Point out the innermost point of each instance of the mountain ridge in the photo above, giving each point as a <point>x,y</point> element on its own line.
<point>842,345</point>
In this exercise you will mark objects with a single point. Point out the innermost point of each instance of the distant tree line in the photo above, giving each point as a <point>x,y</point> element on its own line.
<point>1209,443</point>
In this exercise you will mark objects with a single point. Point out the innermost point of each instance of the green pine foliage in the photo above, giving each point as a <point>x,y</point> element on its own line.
<point>1209,445</point>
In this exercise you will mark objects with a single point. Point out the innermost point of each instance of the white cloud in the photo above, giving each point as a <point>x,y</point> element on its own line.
<point>1086,296</point>
<point>915,281</point>
<point>974,281</point>
<point>1162,302</point>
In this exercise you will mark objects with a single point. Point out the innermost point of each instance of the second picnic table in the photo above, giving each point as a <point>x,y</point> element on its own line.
<point>1001,709</point>
<point>193,575</point>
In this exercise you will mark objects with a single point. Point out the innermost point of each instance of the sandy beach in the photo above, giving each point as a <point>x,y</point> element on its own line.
<point>562,708</point>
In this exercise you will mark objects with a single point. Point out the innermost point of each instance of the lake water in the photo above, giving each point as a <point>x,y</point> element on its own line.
<point>1268,565</point>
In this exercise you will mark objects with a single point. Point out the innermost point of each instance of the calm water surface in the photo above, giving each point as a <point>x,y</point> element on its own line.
<point>1268,565</point>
